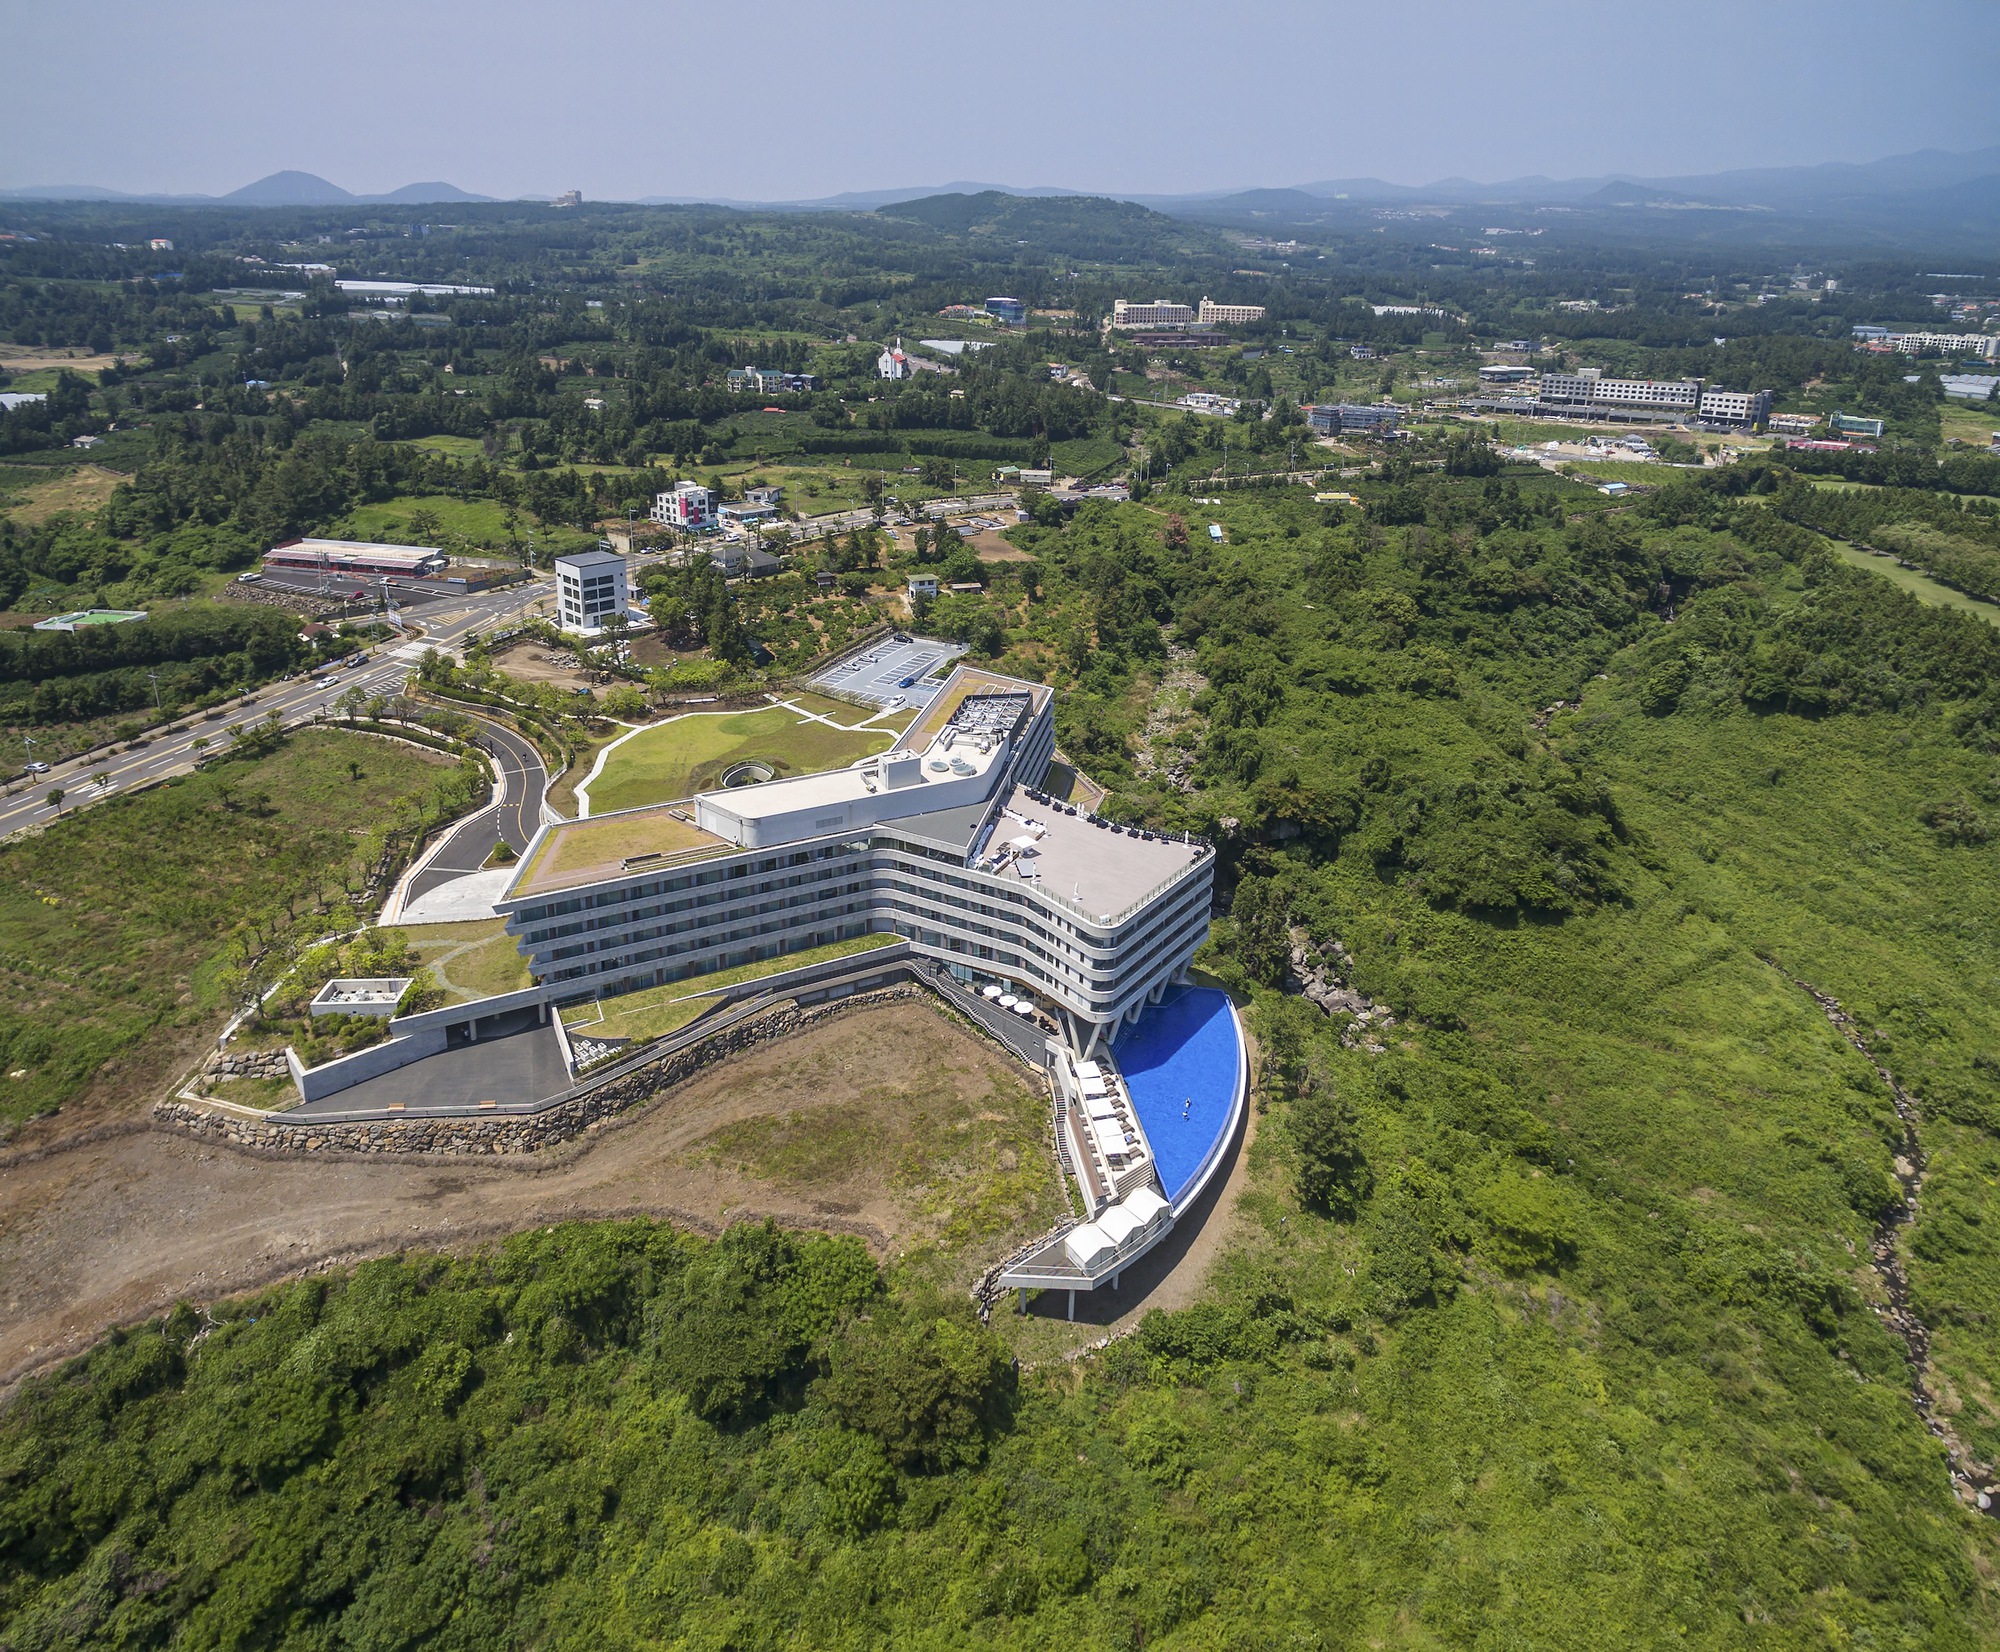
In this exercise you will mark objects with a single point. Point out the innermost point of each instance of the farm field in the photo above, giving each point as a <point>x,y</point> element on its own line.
<point>688,754</point>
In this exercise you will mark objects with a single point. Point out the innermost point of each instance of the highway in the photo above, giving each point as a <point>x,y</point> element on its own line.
<point>170,751</point>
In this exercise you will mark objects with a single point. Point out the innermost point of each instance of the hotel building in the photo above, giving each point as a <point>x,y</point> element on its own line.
<point>945,840</point>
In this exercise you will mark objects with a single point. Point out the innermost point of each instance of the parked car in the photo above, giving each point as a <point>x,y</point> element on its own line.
<point>38,767</point>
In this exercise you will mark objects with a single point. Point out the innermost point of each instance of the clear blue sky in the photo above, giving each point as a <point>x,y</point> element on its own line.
<point>794,98</point>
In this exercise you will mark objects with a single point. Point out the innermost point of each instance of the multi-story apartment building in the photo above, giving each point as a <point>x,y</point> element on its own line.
<point>1984,345</point>
<point>1162,312</point>
<point>684,505</point>
<point>1213,314</point>
<point>944,840</point>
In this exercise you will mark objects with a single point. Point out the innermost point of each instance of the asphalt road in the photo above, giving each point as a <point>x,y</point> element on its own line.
<point>514,819</point>
<point>296,701</point>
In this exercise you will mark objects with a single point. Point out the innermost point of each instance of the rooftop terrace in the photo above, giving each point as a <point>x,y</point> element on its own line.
<point>590,851</point>
<point>1093,865</point>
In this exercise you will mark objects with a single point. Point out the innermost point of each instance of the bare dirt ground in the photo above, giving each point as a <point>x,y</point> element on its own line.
<point>109,1231</point>
<point>528,662</point>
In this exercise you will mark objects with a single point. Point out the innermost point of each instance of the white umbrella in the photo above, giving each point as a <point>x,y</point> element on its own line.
<point>1023,1007</point>
<point>992,989</point>
<point>1008,1000</point>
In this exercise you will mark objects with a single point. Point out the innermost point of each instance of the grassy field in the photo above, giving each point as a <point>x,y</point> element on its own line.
<point>472,960</point>
<point>689,754</point>
<point>1971,422</point>
<point>82,490</point>
<point>459,447</point>
<point>114,922</point>
<point>968,1166</point>
<point>484,521</point>
<point>1620,470</point>
<point>1920,586</point>
<point>654,1012</point>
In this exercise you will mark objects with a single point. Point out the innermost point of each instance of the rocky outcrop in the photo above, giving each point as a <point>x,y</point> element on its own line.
<point>1167,746</point>
<point>1973,1479</point>
<point>509,1134</point>
<point>1318,975</point>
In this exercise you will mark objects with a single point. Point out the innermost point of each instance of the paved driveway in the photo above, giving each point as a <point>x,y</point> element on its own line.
<point>514,1071</point>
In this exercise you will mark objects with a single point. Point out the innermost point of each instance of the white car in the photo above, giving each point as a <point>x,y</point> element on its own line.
<point>38,768</point>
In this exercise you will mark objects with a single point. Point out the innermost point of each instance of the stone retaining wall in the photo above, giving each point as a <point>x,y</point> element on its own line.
<point>512,1133</point>
<point>247,1064</point>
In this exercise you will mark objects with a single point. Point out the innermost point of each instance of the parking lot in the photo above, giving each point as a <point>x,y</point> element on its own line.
<point>886,670</point>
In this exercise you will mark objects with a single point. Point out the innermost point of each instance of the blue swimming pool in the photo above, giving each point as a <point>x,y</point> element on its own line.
<point>1182,1061</point>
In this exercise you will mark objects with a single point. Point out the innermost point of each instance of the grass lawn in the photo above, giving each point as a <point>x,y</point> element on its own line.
<point>459,447</point>
<point>114,957</point>
<point>475,960</point>
<point>689,754</point>
<point>581,849</point>
<point>824,705</point>
<point>1920,586</point>
<point>653,1012</point>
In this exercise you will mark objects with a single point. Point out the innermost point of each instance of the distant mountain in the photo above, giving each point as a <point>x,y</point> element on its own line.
<point>280,189</point>
<point>289,189</point>
<point>427,195</point>
<point>858,200</point>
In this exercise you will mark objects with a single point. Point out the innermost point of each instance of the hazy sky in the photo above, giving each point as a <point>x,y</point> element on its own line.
<point>796,98</point>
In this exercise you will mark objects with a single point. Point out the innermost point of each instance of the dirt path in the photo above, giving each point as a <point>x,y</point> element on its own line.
<point>111,1231</point>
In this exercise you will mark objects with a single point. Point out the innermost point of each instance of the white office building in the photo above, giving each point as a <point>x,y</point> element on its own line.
<point>1745,408</point>
<point>685,505</point>
<point>944,840</point>
<point>590,587</point>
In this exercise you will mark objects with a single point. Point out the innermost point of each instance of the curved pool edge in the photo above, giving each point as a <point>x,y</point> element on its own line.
<point>1218,1150</point>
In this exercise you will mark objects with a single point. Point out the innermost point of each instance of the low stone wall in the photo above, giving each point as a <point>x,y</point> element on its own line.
<point>512,1133</point>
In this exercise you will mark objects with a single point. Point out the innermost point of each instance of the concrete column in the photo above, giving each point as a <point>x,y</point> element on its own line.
<point>1072,1302</point>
